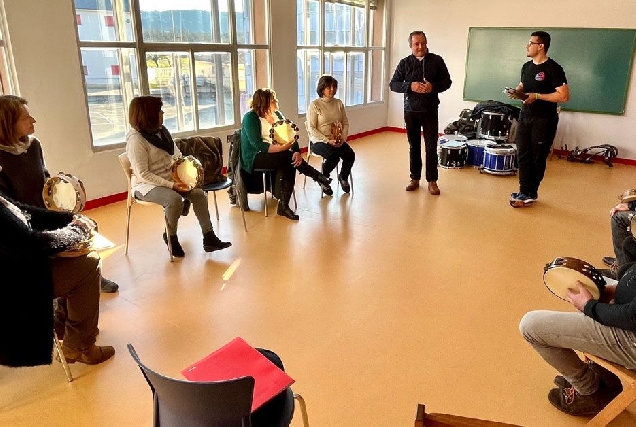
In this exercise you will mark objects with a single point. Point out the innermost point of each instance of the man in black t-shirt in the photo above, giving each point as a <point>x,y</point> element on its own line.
<point>543,85</point>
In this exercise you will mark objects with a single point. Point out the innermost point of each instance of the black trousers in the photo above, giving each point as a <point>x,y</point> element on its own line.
<point>416,123</point>
<point>332,156</point>
<point>534,139</point>
<point>285,171</point>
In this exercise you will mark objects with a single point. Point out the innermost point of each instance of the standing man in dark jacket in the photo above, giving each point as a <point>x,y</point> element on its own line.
<point>420,77</point>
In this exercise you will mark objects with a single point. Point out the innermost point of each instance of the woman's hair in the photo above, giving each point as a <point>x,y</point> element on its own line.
<point>324,82</point>
<point>261,101</point>
<point>10,111</point>
<point>143,113</point>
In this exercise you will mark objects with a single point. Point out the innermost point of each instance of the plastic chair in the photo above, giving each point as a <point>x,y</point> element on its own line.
<point>191,403</point>
<point>125,164</point>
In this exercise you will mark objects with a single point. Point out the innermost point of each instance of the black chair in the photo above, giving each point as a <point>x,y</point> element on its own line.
<point>216,186</point>
<point>193,404</point>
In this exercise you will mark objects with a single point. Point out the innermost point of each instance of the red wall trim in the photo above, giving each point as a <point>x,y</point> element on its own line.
<point>103,201</point>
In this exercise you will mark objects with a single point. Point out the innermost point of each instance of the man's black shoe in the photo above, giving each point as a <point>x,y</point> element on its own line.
<point>284,210</point>
<point>108,286</point>
<point>212,243</point>
<point>608,260</point>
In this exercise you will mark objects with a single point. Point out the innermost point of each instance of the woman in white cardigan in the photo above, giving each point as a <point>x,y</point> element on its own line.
<point>152,152</point>
<point>328,129</point>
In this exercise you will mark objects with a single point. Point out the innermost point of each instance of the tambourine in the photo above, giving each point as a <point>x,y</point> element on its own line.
<point>628,196</point>
<point>562,274</point>
<point>632,226</point>
<point>64,192</point>
<point>188,170</point>
<point>283,132</point>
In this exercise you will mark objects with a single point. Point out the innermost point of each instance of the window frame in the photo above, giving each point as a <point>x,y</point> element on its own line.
<point>141,48</point>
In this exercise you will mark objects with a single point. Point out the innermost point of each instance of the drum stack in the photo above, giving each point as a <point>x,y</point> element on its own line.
<point>488,152</point>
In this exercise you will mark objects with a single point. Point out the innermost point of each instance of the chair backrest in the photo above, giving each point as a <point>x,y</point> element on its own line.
<point>193,404</point>
<point>209,151</point>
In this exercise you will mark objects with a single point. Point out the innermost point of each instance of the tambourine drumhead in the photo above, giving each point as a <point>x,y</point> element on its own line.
<point>284,132</point>
<point>563,273</point>
<point>188,170</point>
<point>64,192</point>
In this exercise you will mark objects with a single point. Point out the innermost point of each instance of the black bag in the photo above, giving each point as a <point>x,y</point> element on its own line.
<point>586,155</point>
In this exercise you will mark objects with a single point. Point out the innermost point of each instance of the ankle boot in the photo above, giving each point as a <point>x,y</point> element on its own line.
<point>212,243</point>
<point>324,182</point>
<point>285,210</point>
<point>177,250</point>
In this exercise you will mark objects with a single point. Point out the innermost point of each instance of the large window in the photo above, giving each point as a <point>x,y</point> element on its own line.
<point>203,57</point>
<point>344,38</point>
<point>6,76</point>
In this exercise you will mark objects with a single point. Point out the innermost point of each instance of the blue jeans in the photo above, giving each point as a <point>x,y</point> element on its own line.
<point>172,203</point>
<point>555,335</point>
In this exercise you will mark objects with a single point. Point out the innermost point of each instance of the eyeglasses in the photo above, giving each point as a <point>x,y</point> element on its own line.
<point>530,43</point>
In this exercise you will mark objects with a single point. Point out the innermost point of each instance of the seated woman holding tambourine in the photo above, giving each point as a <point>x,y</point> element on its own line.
<point>152,154</point>
<point>604,327</point>
<point>263,147</point>
<point>23,173</point>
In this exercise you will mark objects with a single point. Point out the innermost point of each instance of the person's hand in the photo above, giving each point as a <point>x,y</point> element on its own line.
<point>428,87</point>
<point>621,207</point>
<point>419,87</point>
<point>332,142</point>
<point>530,99</point>
<point>578,300</point>
<point>297,159</point>
<point>85,223</point>
<point>181,187</point>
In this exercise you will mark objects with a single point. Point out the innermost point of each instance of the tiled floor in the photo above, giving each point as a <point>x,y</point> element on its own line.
<point>375,301</point>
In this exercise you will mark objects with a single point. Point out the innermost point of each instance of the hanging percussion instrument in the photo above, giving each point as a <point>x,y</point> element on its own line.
<point>64,192</point>
<point>453,154</point>
<point>188,170</point>
<point>561,275</point>
<point>283,132</point>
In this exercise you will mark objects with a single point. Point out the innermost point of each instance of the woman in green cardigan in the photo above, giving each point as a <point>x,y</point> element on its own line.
<point>260,150</point>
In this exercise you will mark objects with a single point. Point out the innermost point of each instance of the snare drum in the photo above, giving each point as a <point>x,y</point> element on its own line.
<point>499,160</point>
<point>188,170</point>
<point>493,126</point>
<point>562,274</point>
<point>454,138</point>
<point>453,154</point>
<point>64,192</point>
<point>476,151</point>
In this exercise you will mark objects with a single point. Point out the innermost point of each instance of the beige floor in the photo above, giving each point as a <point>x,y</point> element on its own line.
<point>375,301</point>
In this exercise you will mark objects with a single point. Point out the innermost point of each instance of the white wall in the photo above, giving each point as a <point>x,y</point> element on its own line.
<point>446,24</point>
<point>44,44</point>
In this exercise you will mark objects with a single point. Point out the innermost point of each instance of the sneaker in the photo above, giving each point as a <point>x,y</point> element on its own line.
<point>177,250</point>
<point>90,356</point>
<point>344,184</point>
<point>212,243</point>
<point>108,286</point>
<point>606,375</point>
<point>568,400</point>
<point>513,196</point>
<point>521,201</point>
<point>608,260</point>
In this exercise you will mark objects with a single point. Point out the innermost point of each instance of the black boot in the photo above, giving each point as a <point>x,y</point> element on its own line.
<point>177,250</point>
<point>285,210</point>
<point>324,182</point>
<point>212,243</point>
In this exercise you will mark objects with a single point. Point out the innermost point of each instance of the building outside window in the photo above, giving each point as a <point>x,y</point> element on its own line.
<point>6,70</point>
<point>204,58</point>
<point>344,38</point>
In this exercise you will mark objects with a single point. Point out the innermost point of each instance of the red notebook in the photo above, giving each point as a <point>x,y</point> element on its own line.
<point>239,359</point>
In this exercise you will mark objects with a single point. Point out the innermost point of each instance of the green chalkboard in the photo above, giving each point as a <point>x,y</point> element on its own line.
<point>597,64</point>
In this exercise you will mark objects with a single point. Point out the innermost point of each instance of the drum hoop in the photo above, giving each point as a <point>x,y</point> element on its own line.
<point>591,279</point>
<point>272,133</point>
<point>75,182</point>
<point>197,165</point>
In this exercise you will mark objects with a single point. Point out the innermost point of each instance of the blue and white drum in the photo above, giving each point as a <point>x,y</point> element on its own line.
<point>500,160</point>
<point>453,154</point>
<point>444,139</point>
<point>476,151</point>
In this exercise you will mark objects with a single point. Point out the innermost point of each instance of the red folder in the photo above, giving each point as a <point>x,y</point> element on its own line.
<point>239,359</point>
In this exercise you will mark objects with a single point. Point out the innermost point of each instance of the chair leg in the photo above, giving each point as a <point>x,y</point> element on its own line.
<point>303,408</point>
<point>216,207</point>
<point>60,353</point>
<point>265,192</point>
<point>127,227</point>
<point>169,242</point>
<point>309,154</point>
